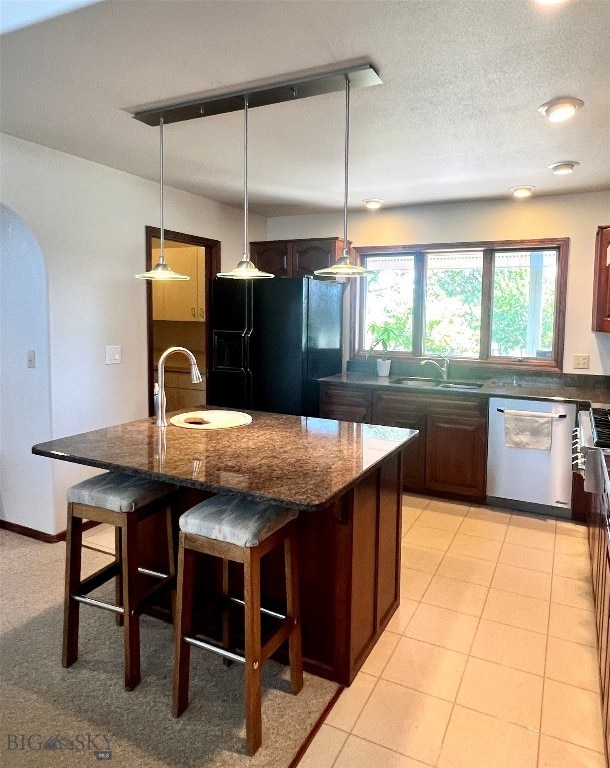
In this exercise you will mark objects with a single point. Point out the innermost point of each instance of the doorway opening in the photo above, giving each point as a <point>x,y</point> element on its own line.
<point>177,313</point>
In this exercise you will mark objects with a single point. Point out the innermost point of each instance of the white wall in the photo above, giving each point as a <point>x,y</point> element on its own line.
<point>25,394</point>
<point>89,223</point>
<point>575,216</point>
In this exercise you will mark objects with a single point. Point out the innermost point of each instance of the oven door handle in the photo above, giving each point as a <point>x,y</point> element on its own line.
<point>550,415</point>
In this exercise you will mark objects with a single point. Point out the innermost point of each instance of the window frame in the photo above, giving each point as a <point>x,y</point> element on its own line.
<point>485,359</point>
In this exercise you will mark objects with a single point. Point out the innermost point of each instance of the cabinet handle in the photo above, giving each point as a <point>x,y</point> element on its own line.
<point>193,312</point>
<point>201,315</point>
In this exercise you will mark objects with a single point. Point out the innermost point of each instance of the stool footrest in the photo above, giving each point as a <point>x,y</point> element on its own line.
<point>145,601</point>
<point>266,611</point>
<point>274,642</point>
<point>215,649</point>
<point>99,604</point>
<point>99,577</point>
<point>155,574</point>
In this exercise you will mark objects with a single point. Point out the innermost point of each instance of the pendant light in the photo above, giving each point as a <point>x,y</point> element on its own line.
<point>162,270</point>
<point>245,269</point>
<point>344,267</point>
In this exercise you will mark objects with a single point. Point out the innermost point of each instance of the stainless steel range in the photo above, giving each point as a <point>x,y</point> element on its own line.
<point>600,426</point>
<point>592,434</point>
<point>593,430</point>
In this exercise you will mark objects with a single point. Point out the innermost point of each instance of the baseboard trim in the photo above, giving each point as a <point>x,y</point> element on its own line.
<point>316,727</point>
<point>32,533</point>
<point>528,506</point>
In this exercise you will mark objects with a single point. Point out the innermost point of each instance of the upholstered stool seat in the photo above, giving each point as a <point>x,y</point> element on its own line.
<point>123,501</point>
<point>239,530</point>
<point>230,518</point>
<point>118,492</point>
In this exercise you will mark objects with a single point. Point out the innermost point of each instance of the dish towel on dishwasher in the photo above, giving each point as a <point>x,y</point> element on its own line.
<point>528,429</point>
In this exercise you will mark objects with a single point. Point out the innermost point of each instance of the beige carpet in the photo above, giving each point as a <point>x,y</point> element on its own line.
<point>52,716</point>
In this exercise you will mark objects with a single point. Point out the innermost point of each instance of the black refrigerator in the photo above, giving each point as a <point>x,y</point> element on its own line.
<point>270,342</point>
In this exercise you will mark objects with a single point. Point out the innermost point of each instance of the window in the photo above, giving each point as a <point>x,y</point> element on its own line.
<point>452,306</point>
<point>488,302</point>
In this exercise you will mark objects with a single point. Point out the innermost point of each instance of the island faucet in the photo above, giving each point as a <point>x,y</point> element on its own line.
<point>196,377</point>
<point>443,367</point>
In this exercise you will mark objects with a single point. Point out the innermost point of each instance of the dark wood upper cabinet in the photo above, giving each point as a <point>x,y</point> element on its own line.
<point>601,285</point>
<point>273,256</point>
<point>296,258</point>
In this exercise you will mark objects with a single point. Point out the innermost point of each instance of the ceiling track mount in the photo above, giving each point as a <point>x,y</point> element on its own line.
<point>360,75</point>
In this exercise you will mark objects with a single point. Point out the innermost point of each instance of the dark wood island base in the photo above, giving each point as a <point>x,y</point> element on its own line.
<point>349,558</point>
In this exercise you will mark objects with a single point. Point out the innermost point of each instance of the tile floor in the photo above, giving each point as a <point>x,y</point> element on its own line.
<point>100,538</point>
<point>490,660</point>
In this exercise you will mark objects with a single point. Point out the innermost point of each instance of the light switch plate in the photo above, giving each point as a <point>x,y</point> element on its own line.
<point>581,361</point>
<point>31,358</point>
<point>113,355</point>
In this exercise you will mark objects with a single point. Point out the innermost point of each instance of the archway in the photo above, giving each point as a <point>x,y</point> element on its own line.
<point>26,483</point>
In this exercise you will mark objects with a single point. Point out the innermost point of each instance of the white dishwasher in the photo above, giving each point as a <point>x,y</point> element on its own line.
<point>531,479</point>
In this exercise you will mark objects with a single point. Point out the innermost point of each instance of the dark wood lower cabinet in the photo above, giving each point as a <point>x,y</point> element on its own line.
<point>456,454</point>
<point>394,410</point>
<point>448,458</point>
<point>599,547</point>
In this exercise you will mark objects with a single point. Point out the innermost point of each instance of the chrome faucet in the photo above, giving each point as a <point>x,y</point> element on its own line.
<point>443,367</point>
<point>196,377</point>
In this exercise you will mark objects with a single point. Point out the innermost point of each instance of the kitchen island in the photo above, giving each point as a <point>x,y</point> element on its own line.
<point>345,479</point>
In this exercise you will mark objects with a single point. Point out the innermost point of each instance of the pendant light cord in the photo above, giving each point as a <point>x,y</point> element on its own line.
<point>246,250</point>
<point>347,87</point>
<point>162,237</point>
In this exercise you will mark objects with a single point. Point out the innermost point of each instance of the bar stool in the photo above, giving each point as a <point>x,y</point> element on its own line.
<point>243,531</point>
<point>124,501</point>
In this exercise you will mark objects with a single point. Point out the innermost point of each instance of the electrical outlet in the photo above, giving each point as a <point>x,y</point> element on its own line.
<point>31,358</point>
<point>581,361</point>
<point>113,355</point>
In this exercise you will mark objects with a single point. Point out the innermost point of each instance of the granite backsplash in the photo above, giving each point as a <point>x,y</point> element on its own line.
<point>465,372</point>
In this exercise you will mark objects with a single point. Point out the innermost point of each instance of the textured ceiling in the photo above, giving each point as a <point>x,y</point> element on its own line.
<point>456,117</point>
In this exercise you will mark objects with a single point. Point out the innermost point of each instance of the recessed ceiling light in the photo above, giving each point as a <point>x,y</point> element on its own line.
<point>566,166</point>
<point>521,192</point>
<point>373,203</point>
<point>563,108</point>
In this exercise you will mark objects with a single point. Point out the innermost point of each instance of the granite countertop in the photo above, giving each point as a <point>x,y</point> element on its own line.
<point>301,462</point>
<point>527,390</point>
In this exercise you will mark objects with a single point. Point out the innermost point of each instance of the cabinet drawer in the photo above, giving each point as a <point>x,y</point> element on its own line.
<point>458,406</point>
<point>345,403</point>
<point>393,407</point>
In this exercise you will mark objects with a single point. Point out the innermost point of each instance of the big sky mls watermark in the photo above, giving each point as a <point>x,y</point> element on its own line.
<point>97,744</point>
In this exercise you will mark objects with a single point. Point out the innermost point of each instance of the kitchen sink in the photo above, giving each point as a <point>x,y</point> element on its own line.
<point>416,381</point>
<point>422,382</point>
<point>459,385</point>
